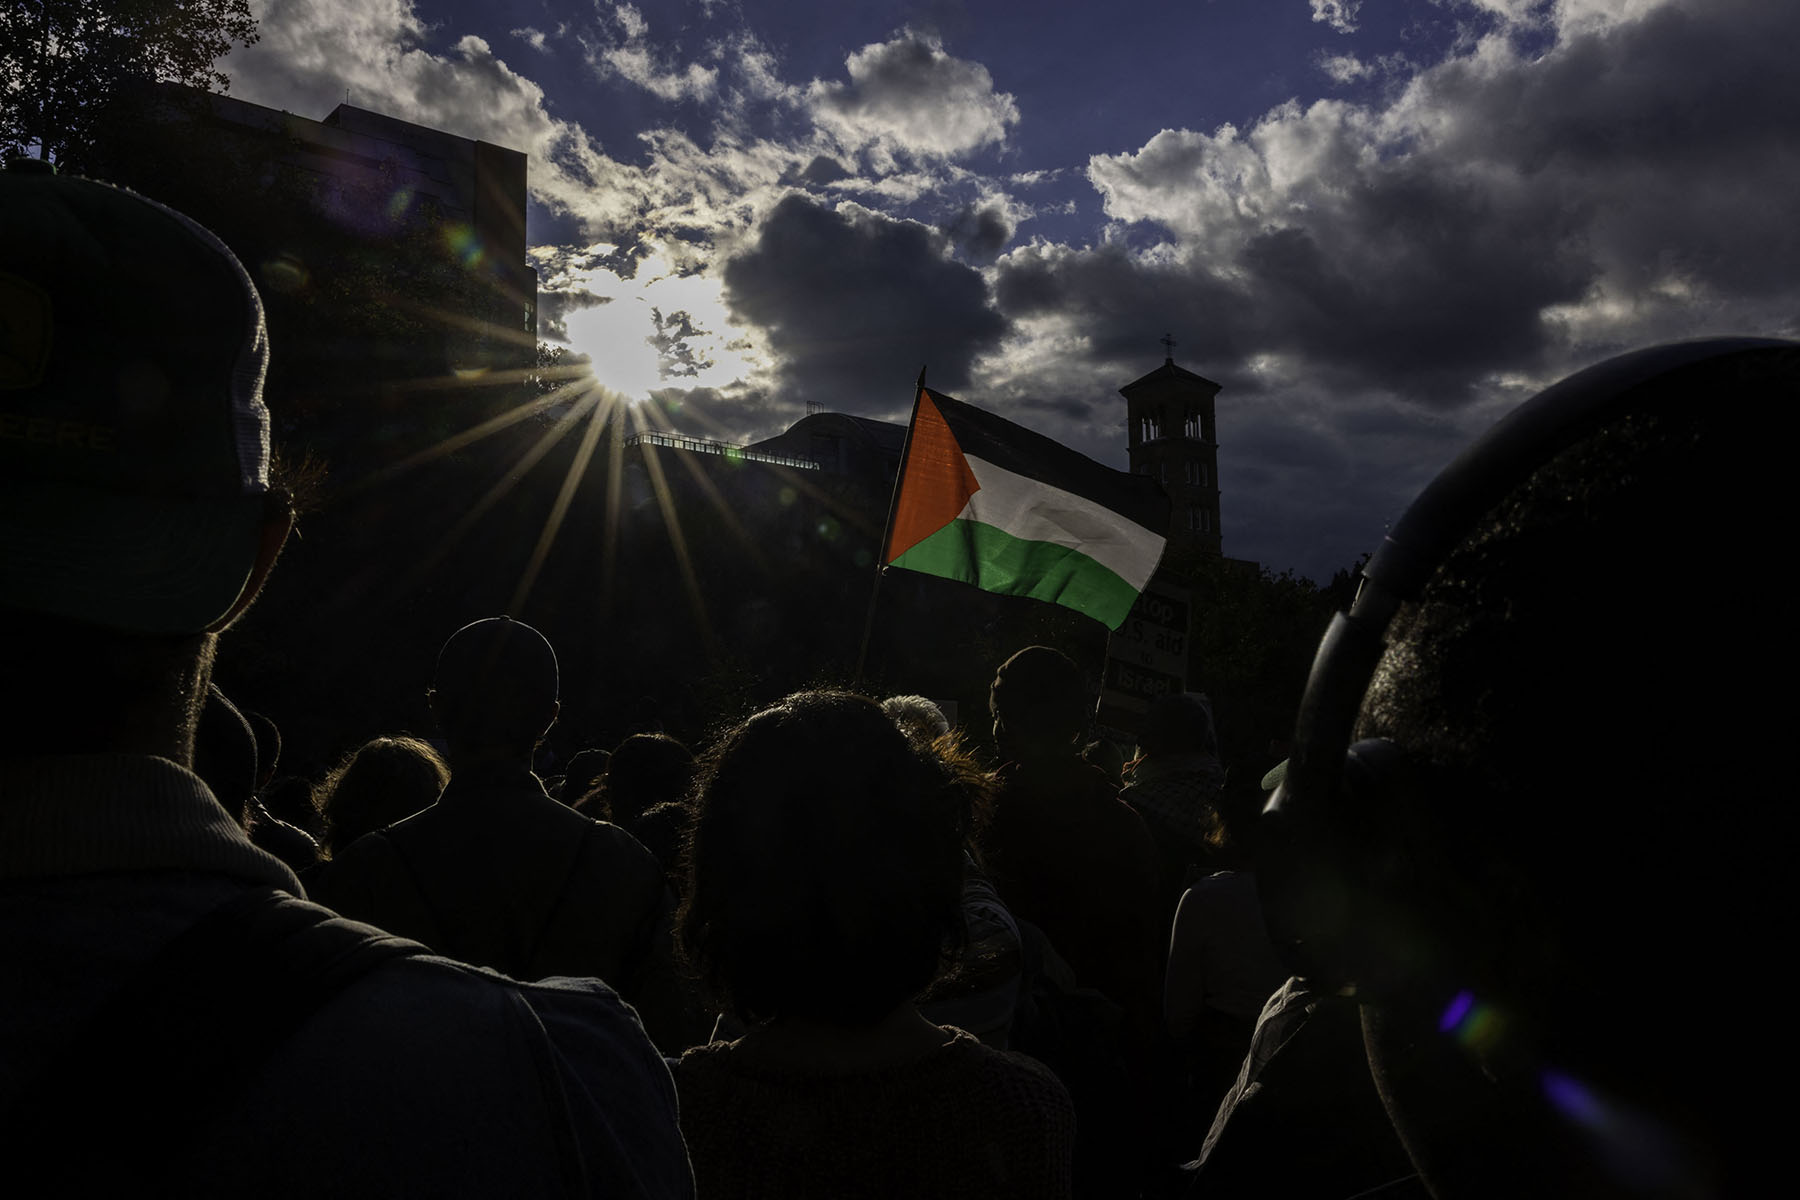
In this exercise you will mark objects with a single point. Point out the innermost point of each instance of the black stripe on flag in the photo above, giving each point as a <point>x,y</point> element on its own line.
<point>1025,452</point>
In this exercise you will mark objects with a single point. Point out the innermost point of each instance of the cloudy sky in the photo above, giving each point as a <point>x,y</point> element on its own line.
<point>1378,223</point>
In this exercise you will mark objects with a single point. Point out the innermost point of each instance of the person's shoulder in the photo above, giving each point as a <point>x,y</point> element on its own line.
<point>1114,807</point>
<point>613,850</point>
<point>338,878</point>
<point>430,1007</point>
<point>1017,1075</point>
<point>702,1062</point>
<point>1224,883</point>
<point>434,981</point>
<point>558,1076</point>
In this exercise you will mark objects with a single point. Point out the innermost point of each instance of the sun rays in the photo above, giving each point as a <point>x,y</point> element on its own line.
<point>573,400</point>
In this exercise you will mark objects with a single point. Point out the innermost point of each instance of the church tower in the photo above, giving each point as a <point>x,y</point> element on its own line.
<point>1173,439</point>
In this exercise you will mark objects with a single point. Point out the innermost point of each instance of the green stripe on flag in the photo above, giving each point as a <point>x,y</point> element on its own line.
<point>996,561</point>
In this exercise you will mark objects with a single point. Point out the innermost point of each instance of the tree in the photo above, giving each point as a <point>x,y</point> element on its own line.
<point>63,61</point>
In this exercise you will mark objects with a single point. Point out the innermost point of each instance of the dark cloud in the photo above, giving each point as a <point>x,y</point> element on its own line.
<point>853,302</point>
<point>554,309</point>
<point>1677,132</point>
<point>1373,284</point>
<point>1426,282</point>
<point>979,235</point>
<point>823,171</point>
<point>736,414</point>
<point>676,356</point>
<point>1503,215</point>
<point>1122,304</point>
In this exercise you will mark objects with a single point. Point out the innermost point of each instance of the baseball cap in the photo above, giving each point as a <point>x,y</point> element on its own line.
<point>134,442</point>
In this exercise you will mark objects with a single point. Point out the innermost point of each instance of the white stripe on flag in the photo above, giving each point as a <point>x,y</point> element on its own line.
<point>1034,511</point>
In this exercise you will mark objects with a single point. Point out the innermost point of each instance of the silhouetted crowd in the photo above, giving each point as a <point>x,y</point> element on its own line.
<point>1476,936</point>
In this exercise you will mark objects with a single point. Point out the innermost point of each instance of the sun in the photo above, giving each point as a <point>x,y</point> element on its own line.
<point>619,335</point>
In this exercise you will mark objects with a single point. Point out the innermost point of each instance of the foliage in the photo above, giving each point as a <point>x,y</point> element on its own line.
<point>1254,636</point>
<point>63,61</point>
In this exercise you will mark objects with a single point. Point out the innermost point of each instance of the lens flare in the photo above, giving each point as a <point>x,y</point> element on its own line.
<point>464,244</point>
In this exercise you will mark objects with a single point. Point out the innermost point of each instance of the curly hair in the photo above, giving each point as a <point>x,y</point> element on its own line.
<point>380,782</point>
<point>825,864</point>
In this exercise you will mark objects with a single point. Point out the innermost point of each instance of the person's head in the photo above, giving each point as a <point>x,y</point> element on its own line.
<point>495,692</point>
<point>1040,703</point>
<point>582,773</point>
<point>1543,935</point>
<point>1178,723</point>
<point>646,769</point>
<point>225,754</point>
<point>918,717</point>
<point>136,514</point>
<point>825,865</point>
<point>380,782</point>
<point>268,747</point>
<point>1105,754</point>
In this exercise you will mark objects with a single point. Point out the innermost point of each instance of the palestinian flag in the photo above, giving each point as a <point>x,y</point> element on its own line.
<point>991,503</point>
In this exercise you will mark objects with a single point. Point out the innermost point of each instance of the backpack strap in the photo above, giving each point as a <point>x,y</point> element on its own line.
<point>526,967</point>
<point>116,1109</point>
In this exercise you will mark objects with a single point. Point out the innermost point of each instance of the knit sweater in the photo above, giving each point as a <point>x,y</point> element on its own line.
<point>962,1121</point>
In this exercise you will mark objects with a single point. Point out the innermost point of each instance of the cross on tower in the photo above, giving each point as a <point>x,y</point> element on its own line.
<point>1169,345</point>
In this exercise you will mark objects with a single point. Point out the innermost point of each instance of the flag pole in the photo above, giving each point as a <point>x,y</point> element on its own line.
<point>887,529</point>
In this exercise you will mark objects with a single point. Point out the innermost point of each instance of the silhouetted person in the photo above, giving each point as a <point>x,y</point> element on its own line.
<point>1065,853</point>
<point>981,990</point>
<point>1222,970</point>
<point>291,843</point>
<point>663,831</point>
<point>382,782</point>
<point>826,874</point>
<point>1105,754</point>
<point>496,872</point>
<point>1071,859</point>
<point>1554,888</point>
<point>268,747</point>
<point>1175,785</point>
<point>646,769</point>
<point>289,799</point>
<point>176,1021</point>
<point>225,754</point>
<point>580,776</point>
<point>228,759</point>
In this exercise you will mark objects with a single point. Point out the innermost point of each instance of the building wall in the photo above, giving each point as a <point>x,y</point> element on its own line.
<point>425,225</point>
<point>1173,437</point>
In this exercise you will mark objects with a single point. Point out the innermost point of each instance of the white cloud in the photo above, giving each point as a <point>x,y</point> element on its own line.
<point>907,96</point>
<point>1586,16</point>
<point>1515,12</point>
<point>1344,68</point>
<point>1339,14</point>
<point>756,73</point>
<point>1513,213</point>
<point>634,59</point>
<point>537,39</point>
<point>311,51</point>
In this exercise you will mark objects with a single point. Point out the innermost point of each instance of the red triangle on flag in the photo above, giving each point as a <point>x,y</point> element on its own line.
<point>935,481</point>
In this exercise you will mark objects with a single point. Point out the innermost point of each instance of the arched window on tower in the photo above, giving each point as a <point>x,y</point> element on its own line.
<point>1193,426</point>
<point>1149,428</point>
